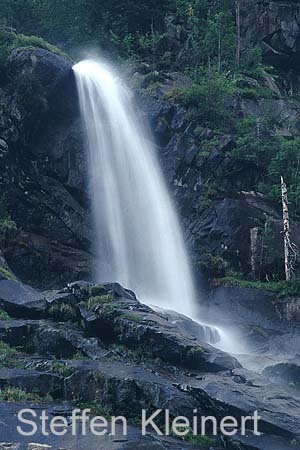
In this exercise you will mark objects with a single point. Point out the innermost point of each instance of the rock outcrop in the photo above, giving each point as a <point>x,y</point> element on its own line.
<point>44,177</point>
<point>43,174</point>
<point>98,345</point>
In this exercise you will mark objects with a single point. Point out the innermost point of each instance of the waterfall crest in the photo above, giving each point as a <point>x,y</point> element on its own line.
<point>139,242</point>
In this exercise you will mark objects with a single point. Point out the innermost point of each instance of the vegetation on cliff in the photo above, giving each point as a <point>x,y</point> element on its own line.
<point>201,40</point>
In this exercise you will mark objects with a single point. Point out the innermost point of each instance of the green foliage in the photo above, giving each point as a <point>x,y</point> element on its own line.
<point>137,355</point>
<point>63,369</point>
<point>213,34</point>
<point>9,356</point>
<point>194,351</point>
<point>285,161</point>
<point>4,316</point>
<point>63,312</point>
<point>107,311</point>
<point>214,264</point>
<point>7,273</point>
<point>15,394</point>
<point>203,441</point>
<point>97,408</point>
<point>93,303</point>
<point>207,99</point>
<point>6,352</point>
<point>7,226</point>
<point>80,356</point>
<point>258,141</point>
<point>282,288</point>
<point>97,290</point>
<point>85,21</point>
<point>132,317</point>
<point>10,40</point>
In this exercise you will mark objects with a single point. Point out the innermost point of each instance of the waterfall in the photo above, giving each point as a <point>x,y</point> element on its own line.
<point>138,238</point>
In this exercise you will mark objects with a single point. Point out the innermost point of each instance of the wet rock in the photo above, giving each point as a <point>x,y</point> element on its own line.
<point>275,25</point>
<point>50,339</point>
<point>126,389</point>
<point>31,381</point>
<point>137,326</point>
<point>64,341</point>
<point>224,228</point>
<point>255,306</point>
<point>279,412</point>
<point>53,71</point>
<point>284,373</point>
<point>18,333</point>
<point>21,300</point>
<point>134,440</point>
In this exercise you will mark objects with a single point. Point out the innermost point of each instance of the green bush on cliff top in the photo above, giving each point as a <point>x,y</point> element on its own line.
<point>10,40</point>
<point>282,288</point>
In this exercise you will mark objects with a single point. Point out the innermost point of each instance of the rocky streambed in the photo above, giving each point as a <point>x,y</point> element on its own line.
<point>97,346</point>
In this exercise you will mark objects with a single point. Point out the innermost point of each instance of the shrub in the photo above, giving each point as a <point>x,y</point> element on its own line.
<point>4,315</point>
<point>208,99</point>
<point>7,273</point>
<point>10,40</point>
<point>16,394</point>
<point>63,312</point>
<point>282,288</point>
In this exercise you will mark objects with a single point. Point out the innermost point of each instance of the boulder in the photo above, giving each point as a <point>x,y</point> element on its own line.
<point>21,300</point>
<point>274,25</point>
<point>285,373</point>
<point>137,326</point>
<point>53,71</point>
<point>254,306</point>
<point>32,381</point>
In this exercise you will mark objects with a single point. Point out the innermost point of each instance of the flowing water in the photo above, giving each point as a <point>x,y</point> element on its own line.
<point>138,237</point>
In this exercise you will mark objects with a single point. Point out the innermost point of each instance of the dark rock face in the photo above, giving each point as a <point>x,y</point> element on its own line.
<point>134,440</point>
<point>267,325</point>
<point>53,72</point>
<point>276,25</point>
<point>21,300</point>
<point>255,306</point>
<point>45,178</point>
<point>43,170</point>
<point>284,373</point>
<point>233,223</point>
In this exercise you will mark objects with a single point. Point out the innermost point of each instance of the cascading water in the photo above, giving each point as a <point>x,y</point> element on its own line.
<point>138,237</point>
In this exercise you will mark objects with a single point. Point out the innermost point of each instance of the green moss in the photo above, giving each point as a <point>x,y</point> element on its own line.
<point>94,303</point>
<point>61,368</point>
<point>97,290</point>
<point>132,317</point>
<point>282,288</point>
<point>10,40</point>
<point>7,353</point>
<point>7,273</point>
<point>15,394</point>
<point>107,311</point>
<point>63,312</point>
<point>80,356</point>
<point>4,315</point>
<point>138,355</point>
<point>206,147</point>
<point>97,408</point>
<point>7,229</point>
<point>203,441</point>
<point>215,265</point>
<point>194,351</point>
<point>98,377</point>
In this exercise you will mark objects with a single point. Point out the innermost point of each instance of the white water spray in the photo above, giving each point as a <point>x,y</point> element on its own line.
<point>139,240</point>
